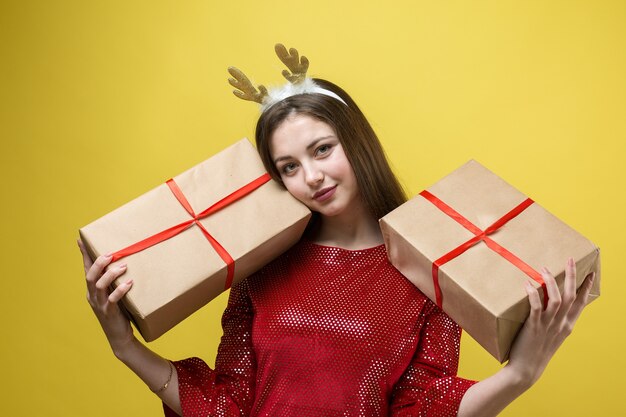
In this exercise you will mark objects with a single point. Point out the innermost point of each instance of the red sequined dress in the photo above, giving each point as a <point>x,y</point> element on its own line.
<point>324,331</point>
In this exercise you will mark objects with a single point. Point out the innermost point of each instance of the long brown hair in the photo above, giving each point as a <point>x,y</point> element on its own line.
<point>378,186</point>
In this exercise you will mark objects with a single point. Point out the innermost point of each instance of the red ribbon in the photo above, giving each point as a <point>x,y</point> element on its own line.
<point>174,230</point>
<point>481,235</point>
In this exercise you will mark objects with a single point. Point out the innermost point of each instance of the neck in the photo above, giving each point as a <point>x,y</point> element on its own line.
<point>357,229</point>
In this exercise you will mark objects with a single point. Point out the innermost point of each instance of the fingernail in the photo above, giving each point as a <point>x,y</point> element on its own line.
<point>570,261</point>
<point>129,282</point>
<point>544,269</point>
<point>123,266</point>
<point>593,276</point>
<point>108,255</point>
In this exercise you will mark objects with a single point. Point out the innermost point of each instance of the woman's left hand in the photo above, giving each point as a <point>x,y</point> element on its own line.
<point>545,329</point>
<point>538,340</point>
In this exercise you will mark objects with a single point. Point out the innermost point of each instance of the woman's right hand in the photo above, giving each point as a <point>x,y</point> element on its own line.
<point>148,366</point>
<point>104,304</point>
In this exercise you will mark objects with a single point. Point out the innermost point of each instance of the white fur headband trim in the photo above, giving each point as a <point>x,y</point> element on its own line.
<point>308,86</point>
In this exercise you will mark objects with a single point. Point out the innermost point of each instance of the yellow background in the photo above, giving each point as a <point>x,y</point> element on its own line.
<point>102,101</point>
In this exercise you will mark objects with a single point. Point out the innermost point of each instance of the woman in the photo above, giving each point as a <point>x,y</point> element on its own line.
<point>330,328</point>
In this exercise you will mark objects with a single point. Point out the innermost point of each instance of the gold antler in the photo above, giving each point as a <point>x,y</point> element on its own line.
<point>291,59</point>
<point>248,92</point>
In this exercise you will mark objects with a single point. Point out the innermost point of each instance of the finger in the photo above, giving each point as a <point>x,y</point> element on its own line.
<point>101,291</point>
<point>554,297</point>
<point>535,304</point>
<point>569,286</point>
<point>109,276</point>
<point>95,271</point>
<point>120,291</point>
<point>582,298</point>
<point>569,290</point>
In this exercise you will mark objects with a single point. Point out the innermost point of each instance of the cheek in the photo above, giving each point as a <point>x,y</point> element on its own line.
<point>342,166</point>
<point>291,184</point>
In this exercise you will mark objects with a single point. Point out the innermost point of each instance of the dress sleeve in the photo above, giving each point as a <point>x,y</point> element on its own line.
<point>228,390</point>
<point>429,386</point>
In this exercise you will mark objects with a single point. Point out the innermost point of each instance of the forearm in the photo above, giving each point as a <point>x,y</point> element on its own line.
<point>490,396</point>
<point>150,367</point>
<point>153,370</point>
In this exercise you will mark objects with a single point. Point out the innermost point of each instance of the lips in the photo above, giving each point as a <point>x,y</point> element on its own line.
<point>324,193</point>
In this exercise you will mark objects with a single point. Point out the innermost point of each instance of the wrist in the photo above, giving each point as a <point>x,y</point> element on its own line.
<point>519,380</point>
<point>123,350</point>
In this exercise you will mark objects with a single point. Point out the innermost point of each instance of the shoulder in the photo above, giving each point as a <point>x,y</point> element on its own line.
<point>283,263</point>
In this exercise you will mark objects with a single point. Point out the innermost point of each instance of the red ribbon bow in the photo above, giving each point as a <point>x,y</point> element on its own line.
<point>174,230</point>
<point>481,236</point>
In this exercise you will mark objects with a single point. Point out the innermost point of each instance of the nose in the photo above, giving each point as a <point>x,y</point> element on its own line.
<point>313,176</point>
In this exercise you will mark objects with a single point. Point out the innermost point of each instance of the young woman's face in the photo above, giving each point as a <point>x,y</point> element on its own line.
<point>313,165</point>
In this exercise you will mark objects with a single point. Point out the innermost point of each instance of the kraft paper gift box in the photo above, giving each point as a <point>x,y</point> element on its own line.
<point>478,279</point>
<point>176,276</point>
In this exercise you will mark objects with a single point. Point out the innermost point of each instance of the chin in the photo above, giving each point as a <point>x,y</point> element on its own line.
<point>330,211</point>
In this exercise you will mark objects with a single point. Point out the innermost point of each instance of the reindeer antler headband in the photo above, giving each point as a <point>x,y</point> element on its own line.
<point>299,83</point>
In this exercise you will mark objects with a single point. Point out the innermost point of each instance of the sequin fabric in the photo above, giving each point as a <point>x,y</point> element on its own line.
<point>324,332</point>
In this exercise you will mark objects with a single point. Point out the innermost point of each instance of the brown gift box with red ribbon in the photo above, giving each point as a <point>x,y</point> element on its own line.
<point>470,242</point>
<point>188,240</point>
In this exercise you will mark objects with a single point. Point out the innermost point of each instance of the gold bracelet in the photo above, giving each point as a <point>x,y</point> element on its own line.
<point>167,383</point>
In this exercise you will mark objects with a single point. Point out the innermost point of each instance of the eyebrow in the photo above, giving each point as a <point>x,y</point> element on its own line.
<point>309,146</point>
